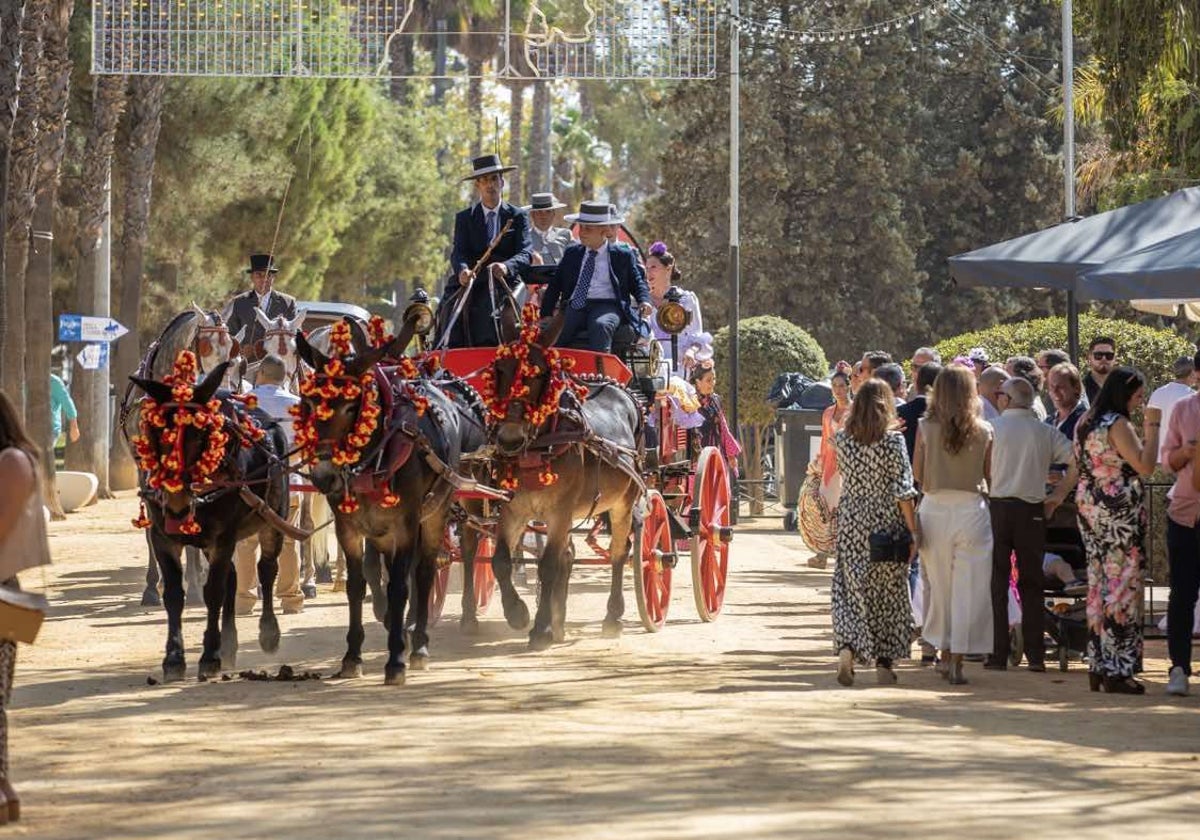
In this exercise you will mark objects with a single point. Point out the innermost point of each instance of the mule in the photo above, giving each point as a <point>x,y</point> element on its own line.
<point>206,335</point>
<point>211,510</point>
<point>588,451</point>
<point>395,493</point>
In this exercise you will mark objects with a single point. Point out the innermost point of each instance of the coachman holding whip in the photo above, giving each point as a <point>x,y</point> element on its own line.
<point>491,247</point>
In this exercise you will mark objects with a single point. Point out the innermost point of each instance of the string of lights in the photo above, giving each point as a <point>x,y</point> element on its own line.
<point>778,32</point>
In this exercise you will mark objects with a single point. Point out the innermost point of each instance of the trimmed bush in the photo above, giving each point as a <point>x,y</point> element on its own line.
<point>768,346</point>
<point>1152,351</point>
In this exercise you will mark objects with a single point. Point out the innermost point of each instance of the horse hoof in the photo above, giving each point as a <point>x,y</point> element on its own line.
<point>611,630</point>
<point>268,636</point>
<point>540,640</point>
<point>174,671</point>
<point>517,616</point>
<point>350,670</point>
<point>208,670</point>
<point>469,626</point>
<point>394,675</point>
<point>560,635</point>
<point>419,661</point>
<point>228,659</point>
<point>151,598</point>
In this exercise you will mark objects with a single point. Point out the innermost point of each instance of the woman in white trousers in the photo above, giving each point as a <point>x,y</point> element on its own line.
<point>952,463</point>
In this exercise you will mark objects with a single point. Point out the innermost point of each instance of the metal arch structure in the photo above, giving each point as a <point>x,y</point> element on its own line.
<point>557,39</point>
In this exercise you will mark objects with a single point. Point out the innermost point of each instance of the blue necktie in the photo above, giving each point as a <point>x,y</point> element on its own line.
<point>491,225</point>
<point>579,296</point>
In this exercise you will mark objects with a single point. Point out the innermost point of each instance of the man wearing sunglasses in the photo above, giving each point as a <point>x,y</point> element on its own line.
<point>1102,358</point>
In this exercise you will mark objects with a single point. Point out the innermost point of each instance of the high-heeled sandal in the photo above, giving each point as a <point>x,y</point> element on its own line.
<point>1123,685</point>
<point>845,672</point>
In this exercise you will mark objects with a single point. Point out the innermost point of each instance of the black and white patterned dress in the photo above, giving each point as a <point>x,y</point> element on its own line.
<point>872,613</point>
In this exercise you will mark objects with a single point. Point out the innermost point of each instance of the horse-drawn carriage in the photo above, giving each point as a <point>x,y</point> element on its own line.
<point>418,454</point>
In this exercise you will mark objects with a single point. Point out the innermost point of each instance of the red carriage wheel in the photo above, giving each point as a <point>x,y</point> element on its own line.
<point>485,578</point>
<point>711,532</point>
<point>652,563</point>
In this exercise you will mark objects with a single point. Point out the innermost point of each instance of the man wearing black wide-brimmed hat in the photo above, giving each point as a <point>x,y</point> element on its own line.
<point>475,229</point>
<point>263,296</point>
<point>597,283</point>
<point>549,242</point>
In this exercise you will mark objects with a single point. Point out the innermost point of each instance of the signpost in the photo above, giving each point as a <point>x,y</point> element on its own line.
<point>89,328</point>
<point>93,356</point>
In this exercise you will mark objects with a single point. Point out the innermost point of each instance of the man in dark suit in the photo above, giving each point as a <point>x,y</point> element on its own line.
<point>474,230</point>
<point>598,283</point>
<point>240,314</point>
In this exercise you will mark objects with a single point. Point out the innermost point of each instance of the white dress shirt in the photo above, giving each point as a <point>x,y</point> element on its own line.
<point>1165,399</point>
<point>601,287</point>
<point>275,400</point>
<point>1023,448</point>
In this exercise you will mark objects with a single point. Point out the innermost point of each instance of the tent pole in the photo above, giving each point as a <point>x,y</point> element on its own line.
<point>1068,67</point>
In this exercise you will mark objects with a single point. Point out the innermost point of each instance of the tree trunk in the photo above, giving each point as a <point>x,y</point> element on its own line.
<point>90,453</point>
<point>401,63</point>
<point>539,140</point>
<point>475,104</point>
<point>54,88</point>
<point>11,15</point>
<point>145,119</point>
<point>516,149</point>
<point>22,177</point>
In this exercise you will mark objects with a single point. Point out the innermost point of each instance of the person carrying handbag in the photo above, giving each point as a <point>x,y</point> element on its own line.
<point>23,545</point>
<point>877,538</point>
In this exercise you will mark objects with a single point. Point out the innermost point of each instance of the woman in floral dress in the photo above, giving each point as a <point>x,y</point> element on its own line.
<point>872,614</point>
<point>1112,520</point>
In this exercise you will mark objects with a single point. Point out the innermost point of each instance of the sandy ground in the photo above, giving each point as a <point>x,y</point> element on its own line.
<point>730,729</point>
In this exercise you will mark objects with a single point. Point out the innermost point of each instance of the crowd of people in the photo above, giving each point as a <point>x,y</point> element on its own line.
<point>943,485</point>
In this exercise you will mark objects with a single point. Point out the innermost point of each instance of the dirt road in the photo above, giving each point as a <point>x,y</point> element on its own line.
<point>735,729</point>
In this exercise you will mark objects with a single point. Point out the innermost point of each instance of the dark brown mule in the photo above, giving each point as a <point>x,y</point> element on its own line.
<point>224,517</point>
<point>594,447</point>
<point>409,454</point>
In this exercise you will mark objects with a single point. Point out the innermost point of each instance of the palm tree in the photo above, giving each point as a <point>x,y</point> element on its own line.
<point>54,88</point>
<point>145,120</point>
<point>90,453</point>
<point>12,12</point>
<point>22,175</point>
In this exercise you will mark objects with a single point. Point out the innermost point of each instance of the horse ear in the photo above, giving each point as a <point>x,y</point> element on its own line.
<point>358,336</point>
<point>551,331</point>
<point>510,327</point>
<point>262,318</point>
<point>204,391</point>
<point>308,354</point>
<point>294,325</point>
<point>400,343</point>
<point>160,392</point>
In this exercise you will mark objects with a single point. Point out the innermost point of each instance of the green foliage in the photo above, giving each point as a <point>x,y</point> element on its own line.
<point>767,346</point>
<point>1152,351</point>
<point>864,166</point>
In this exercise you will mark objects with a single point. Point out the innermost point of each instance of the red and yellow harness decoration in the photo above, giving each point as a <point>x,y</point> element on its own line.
<point>333,383</point>
<point>169,472</point>
<point>557,383</point>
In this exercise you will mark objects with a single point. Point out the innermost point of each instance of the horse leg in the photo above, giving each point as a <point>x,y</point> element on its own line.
<point>427,553</point>
<point>549,569</point>
<point>397,594</point>
<point>229,636</point>
<point>351,543</point>
<point>621,519</point>
<point>270,544</point>
<point>150,596</point>
<point>468,544</point>
<point>195,591</point>
<point>558,592</point>
<point>373,569</point>
<point>508,537</point>
<point>220,566</point>
<point>166,558</point>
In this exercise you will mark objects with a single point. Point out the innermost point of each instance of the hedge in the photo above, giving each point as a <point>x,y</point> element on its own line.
<point>767,346</point>
<point>1152,351</point>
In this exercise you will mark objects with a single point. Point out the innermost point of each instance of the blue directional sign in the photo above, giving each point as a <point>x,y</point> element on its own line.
<point>89,328</point>
<point>93,356</point>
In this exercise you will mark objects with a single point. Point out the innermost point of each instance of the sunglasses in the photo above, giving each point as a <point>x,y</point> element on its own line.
<point>1099,354</point>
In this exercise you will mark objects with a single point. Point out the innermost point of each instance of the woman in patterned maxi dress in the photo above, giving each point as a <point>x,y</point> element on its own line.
<point>872,613</point>
<point>1112,521</point>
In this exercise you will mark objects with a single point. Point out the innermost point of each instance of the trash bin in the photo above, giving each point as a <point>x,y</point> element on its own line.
<point>797,442</point>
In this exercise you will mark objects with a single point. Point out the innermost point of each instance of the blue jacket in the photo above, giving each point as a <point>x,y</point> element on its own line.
<point>628,279</point>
